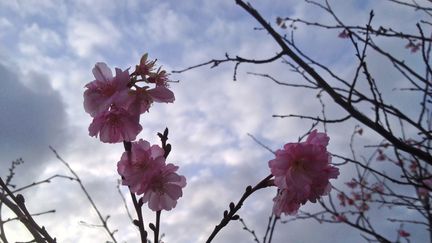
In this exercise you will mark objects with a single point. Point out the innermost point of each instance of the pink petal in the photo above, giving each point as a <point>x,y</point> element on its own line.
<point>102,72</point>
<point>161,94</point>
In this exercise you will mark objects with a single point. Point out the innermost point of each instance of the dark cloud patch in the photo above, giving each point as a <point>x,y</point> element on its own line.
<point>31,119</point>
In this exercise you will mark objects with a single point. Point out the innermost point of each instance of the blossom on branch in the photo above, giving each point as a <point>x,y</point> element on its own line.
<point>105,90</point>
<point>116,102</point>
<point>138,167</point>
<point>114,126</point>
<point>141,99</point>
<point>302,172</point>
<point>165,188</point>
<point>145,172</point>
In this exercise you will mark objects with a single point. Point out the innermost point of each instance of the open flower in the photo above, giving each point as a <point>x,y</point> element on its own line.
<point>115,125</point>
<point>302,172</point>
<point>145,172</point>
<point>165,189</point>
<point>140,100</point>
<point>138,168</point>
<point>424,191</point>
<point>145,67</point>
<point>105,90</point>
<point>160,78</point>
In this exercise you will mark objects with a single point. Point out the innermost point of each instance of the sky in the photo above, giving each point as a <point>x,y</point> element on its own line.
<point>48,49</point>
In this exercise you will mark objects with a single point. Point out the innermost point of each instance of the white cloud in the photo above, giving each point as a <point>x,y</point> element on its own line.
<point>85,36</point>
<point>163,24</point>
<point>35,40</point>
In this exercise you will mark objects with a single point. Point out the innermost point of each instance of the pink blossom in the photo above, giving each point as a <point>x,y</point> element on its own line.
<point>139,167</point>
<point>352,184</point>
<point>161,94</point>
<point>160,78</point>
<point>165,188</point>
<point>285,202</point>
<point>423,191</point>
<point>357,196</point>
<point>105,90</point>
<point>344,34</point>
<point>145,67</point>
<point>381,156</point>
<point>318,138</point>
<point>363,207</point>
<point>342,198</point>
<point>141,99</point>
<point>302,172</point>
<point>114,126</point>
<point>403,233</point>
<point>339,218</point>
<point>378,188</point>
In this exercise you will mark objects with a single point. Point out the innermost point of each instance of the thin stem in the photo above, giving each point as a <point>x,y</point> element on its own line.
<point>273,226</point>
<point>89,198</point>
<point>137,204</point>
<point>140,222</point>
<point>231,214</point>
<point>156,231</point>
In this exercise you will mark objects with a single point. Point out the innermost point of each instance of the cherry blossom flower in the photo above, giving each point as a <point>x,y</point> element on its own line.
<point>363,207</point>
<point>302,172</point>
<point>139,167</point>
<point>352,184</point>
<point>160,78</point>
<point>340,218</point>
<point>381,156</point>
<point>342,198</point>
<point>165,189</point>
<point>105,90</point>
<point>161,94</point>
<point>285,202</point>
<point>344,34</point>
<point>378,188</point>
<point>141,99</point>
<point>115,125</point>
<point>423,191</point>
<point>403,233</point>
<point>145,67</point>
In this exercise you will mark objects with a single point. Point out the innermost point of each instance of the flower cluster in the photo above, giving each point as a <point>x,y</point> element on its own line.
<point>361,194</point>
<point>302,172</point>
<point>116,102</point>
<point>145,172</point>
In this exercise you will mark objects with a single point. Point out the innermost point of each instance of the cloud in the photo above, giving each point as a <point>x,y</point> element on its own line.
<point>35,40</point>
<point>31,120</point>
<point>163,24</point>
<point>85,35</point>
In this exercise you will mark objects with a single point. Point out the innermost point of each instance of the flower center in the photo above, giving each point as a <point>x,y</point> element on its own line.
<point>108,90</point>
<point>299,165</point>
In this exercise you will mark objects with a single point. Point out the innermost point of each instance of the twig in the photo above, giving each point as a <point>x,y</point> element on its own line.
<point>252,232</point>
<point>233,208</point>
<point>104,220</point>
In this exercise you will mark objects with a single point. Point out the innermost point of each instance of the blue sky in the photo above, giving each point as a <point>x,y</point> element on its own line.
<point>47,51</point>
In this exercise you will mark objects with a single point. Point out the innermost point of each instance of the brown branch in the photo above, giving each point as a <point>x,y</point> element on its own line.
<point>17,205</point>
<point>47,180</point>
<point>237,59</point>
<point>335,96</point>
<point>233,208</point>
<point>252,232</point>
